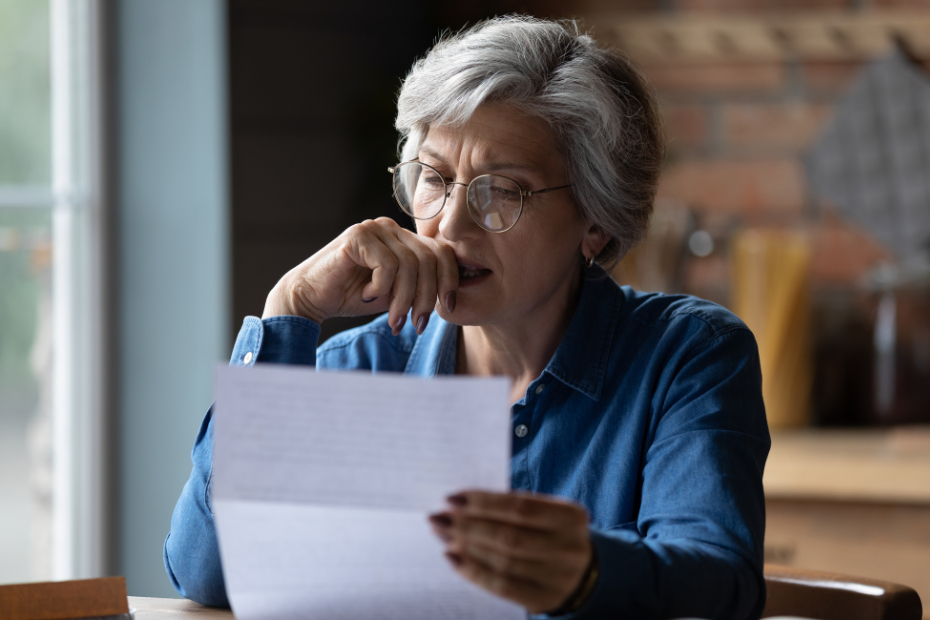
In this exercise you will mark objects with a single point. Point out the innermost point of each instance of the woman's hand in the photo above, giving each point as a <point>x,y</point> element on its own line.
<point>531,549</point>
<point>374,266</point>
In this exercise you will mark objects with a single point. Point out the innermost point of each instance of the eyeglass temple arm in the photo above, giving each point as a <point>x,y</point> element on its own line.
<point>391,169</point>
<point>543,191</point>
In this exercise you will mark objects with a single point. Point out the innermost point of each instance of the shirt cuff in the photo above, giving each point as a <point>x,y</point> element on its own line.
<point>594,605</point>
<point>612,590</point>
<point>276,340</point>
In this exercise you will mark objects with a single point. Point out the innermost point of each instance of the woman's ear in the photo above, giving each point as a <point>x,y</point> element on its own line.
<point>594,241</point>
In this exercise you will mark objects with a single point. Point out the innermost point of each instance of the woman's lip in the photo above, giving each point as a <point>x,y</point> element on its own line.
<point>470,265</point>
<point>468,274</point>
<point>466,262</point>
<point>474,280</point>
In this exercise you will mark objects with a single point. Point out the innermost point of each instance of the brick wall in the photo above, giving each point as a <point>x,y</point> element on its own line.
<point>737,132</point>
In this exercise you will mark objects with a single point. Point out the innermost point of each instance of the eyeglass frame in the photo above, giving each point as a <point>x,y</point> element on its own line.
<point>523,193</point>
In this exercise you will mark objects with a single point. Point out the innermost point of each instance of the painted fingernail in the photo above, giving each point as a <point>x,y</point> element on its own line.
<point>441,520</point>
<point>399,323</point>
<point>458,500</point>
<point>368,300</point>
<point>450,301</point>
<point>455,558</point>
<point>421,323</point>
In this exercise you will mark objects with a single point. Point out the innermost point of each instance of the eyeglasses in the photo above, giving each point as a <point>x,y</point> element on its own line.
<point>495,202</point>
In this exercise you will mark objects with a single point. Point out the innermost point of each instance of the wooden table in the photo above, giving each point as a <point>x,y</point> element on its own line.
<point>175,609</point>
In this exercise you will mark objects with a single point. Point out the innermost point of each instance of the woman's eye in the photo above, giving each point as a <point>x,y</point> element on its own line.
<point>505,192</point>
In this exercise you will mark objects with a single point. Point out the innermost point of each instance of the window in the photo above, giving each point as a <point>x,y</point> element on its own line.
<point>51,283</point>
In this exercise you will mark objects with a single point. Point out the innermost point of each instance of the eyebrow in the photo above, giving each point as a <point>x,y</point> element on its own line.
<point>494,166</point>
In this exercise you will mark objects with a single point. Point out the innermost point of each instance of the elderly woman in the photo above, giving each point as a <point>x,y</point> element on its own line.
<point>530,157</point>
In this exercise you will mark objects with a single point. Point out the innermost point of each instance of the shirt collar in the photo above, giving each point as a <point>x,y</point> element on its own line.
<point>581,359</point>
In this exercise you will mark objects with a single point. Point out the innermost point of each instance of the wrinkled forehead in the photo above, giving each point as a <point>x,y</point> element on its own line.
<point>495,136</point>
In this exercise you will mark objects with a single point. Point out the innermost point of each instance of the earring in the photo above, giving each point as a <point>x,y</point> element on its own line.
<point>589,262</point>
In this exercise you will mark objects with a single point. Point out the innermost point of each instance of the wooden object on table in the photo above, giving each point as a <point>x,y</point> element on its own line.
<point>770,294</point>
<point>175,609</point>
<point>64,600</point>
<point>833,596</point>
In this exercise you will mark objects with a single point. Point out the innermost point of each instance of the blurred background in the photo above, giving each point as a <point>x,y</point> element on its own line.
<point>162,164</point>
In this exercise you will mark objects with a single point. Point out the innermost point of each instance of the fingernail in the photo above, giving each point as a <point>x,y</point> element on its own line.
<point>368,300</point>
<point>399,323</point>
<point>458,500</point>
<point>441,520</point>
<point>450,301</point>
<point>443,535</point>
<point>455,558</point>
<point>421,323</point>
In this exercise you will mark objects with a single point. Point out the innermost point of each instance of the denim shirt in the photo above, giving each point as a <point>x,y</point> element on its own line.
<point>649,415</point>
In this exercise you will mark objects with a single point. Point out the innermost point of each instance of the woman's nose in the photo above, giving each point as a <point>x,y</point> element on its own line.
<point>456,221</point>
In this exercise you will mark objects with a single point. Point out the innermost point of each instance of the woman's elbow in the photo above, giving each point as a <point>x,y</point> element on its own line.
<point>195,576</point>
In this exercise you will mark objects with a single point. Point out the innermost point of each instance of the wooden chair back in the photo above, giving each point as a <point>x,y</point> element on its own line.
<point>832,596</point>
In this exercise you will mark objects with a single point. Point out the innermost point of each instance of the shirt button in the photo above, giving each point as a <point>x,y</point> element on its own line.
<point>521,430</point>
<point>540,388</point>
<point>247,357</point>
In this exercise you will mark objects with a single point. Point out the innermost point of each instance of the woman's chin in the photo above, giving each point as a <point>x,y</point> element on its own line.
<point>464,315</point>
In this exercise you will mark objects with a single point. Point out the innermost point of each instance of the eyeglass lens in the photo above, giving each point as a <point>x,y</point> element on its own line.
<point>494,202</point>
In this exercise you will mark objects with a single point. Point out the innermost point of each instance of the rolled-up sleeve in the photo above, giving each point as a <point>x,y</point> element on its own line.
<point>696,549</point>
<point>191,553</point>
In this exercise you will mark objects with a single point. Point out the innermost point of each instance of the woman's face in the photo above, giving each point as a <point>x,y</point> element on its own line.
<point>530,271</point>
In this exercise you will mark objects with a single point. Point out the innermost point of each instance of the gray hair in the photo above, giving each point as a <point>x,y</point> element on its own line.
<point>603,115</point>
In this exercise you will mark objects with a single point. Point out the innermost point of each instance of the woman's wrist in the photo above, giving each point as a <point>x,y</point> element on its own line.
<point>583,592</point>
<point>285,300</point>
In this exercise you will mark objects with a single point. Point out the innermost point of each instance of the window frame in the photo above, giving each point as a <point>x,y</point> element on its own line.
<point>80,401</point>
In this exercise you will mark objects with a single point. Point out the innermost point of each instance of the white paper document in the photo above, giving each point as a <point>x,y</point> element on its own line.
<point>322,483</point>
